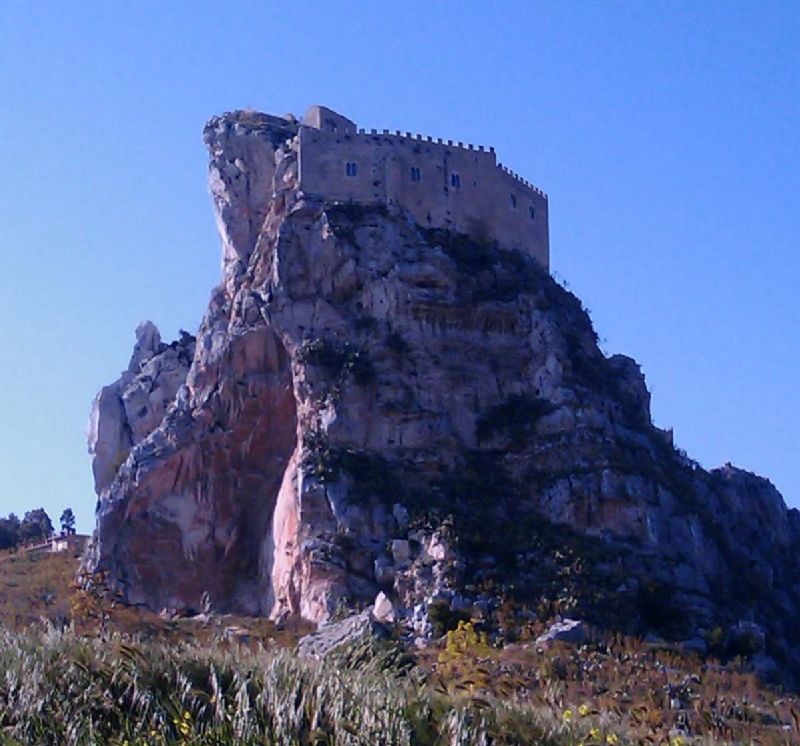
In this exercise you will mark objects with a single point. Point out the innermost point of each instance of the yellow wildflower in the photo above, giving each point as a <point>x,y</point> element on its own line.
<point>567,715</point>
<point>182,725</point>
<point>583,710</point>
<point>612,739</point>
<point>594,733</point>
<point>678,741</point>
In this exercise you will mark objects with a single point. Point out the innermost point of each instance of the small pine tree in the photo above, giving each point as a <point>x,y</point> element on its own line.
<point>67,522</point>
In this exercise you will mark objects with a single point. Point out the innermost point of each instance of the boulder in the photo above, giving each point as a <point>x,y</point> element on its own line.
<point>401,551</point>
<point>333,635</point>
<point>567,630</point>
<point>383,609</point>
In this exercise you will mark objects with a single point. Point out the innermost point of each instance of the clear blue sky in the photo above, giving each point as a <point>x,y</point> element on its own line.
<point>667,135</point>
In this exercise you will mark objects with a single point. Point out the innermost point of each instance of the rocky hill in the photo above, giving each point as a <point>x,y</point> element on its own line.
<point>373,406</point>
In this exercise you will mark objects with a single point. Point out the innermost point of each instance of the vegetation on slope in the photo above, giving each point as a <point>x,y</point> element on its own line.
<point>118,675</point>
<point>63,688</point>
<point>35,587</point>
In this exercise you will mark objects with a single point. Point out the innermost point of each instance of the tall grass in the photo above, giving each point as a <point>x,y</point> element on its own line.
<point>115,689</point>
<point>59,688</point>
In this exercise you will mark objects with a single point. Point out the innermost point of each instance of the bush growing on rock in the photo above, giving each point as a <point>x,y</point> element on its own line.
<point>516,417</point>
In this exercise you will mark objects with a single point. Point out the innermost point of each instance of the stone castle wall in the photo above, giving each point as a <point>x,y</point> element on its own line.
<point>441,183</point>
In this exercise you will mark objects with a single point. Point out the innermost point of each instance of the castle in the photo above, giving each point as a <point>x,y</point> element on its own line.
<point>442,184</point>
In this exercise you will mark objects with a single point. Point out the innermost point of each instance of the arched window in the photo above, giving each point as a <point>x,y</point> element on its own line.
<point>532,212</point>
<point>350,168</point>
<point>513,202</point>
<point>455,181</point>
<point>416,174</point>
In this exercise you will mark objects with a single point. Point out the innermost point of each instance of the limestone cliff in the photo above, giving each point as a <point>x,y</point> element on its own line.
<point>127,411</point>
<point>374,406</point>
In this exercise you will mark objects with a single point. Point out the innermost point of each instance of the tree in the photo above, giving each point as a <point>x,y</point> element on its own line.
<point>67,522</point>
<point>9,532</point>
<point>7,539</point>
<point>36,525</point>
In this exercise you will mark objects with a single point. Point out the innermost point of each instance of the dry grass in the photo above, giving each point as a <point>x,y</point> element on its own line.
<point>620,687</point>
<point>34,588</point>
<point>42,587</point>
<point>62,688</point>
<point>118,675</point>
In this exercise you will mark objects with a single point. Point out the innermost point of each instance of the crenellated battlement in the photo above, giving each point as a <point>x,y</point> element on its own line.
<point>425,138</point>
<point>441,183</point>
<point>519,178</point>
<point>452,144</point>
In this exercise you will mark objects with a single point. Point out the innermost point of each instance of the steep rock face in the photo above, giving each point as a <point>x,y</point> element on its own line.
<point>375,406</point>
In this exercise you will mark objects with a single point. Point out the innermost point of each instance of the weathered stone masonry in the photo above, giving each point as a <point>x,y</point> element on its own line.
<point>442,184</point>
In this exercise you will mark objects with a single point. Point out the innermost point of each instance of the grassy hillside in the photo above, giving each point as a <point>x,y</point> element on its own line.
<point>35,587</point>
<point>116,675</point>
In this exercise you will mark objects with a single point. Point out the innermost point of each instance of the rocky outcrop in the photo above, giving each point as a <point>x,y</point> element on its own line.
<point>373,406</point>
<point>127,411</point>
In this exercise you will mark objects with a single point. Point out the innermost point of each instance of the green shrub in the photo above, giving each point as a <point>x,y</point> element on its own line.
<point>516,417</point>
<point>370,473</point>
<point>491,273</point>
<point>444,619</point>
<point>337,360</point>
<point>658,611</point>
